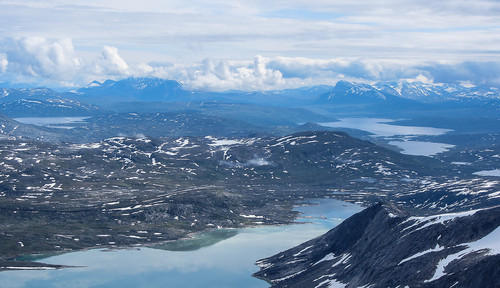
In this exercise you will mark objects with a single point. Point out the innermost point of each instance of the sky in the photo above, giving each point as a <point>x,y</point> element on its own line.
<point>221,45</point>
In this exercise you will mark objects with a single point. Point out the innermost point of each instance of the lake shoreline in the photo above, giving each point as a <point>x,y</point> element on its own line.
<point>13,263</point>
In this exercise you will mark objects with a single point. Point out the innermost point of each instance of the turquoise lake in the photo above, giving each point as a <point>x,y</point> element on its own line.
<point>221,258</point>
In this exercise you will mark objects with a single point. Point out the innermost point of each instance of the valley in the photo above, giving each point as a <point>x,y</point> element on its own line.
<point>159,163</point>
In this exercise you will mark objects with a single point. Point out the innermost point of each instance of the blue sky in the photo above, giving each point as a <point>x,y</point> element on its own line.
<point>250,45</point>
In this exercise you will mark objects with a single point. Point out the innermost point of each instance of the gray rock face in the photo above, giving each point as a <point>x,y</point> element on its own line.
<point>383,246</point>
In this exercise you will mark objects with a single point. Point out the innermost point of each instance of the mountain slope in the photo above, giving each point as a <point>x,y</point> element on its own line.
<point>133,89</point>
<point>346,92</point>
<point>383,246</point>
<point>8,95</point>
<point>53,107</point>
<point>429,93</point>
<point>255,114</point>
<point>11,129</point>
<point>358,98</point>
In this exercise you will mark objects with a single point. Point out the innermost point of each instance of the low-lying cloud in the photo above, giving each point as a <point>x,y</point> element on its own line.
<point>110,63</point>
<point>56,63</point>
<point>255,162</point>
<point>39,58</point>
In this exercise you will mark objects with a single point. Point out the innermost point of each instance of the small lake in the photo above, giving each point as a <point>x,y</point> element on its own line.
<point>383,128</point>
<point>221,258</point>
<point>495,173</point>
<point>51,122</point>
<point>421,148</point>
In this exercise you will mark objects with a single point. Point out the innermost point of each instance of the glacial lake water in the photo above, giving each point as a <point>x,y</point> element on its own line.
<point>421,148</point>
<point>383,128</point>
<point>222,258</point>
<point>52,122</point>
<point>494,173</point>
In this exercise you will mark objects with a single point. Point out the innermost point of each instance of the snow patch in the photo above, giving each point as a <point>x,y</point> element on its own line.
<point>435,249</point>
<point>437,219</point>
<point>489,242</point>
<point>303,250</point>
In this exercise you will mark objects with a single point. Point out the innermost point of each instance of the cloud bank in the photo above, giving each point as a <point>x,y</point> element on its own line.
<point>39,58</point>
<point>212,45</point>
<point>56,63</point>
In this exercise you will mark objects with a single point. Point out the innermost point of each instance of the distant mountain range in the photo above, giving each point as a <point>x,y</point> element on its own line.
<point>154,89</point>
<point>428,93</point>
<point>345,97</point>
<point>52,107</point>
<point>133,89</point>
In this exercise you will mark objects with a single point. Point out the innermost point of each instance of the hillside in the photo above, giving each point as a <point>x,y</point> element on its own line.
<point>383,246</point>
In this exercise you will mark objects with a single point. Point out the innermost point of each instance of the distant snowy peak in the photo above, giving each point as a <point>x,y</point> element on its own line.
<point>429,93</point>
<point>414,91</point>
<point>345,89</point>
<point>94,84</point>
<point>4,92</point>
<point>136,83</point>
<point>384,92</point>
<point>135,89</point>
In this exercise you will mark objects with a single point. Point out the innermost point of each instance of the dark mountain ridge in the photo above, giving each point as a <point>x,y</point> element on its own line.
<point>398,98</point>
<point>52,107</point>
<point>133,89</point>
<point>383,246</point>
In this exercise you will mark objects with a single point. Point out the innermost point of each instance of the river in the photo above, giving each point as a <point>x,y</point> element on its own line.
<point>222,258</point>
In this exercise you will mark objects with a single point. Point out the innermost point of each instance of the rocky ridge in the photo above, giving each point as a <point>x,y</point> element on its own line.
<point>383,246</point>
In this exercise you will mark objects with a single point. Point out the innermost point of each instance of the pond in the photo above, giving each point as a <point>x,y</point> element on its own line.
<point>221,258</point>
<point>421,148</point>
<point>383,128</point>
<point>494,173</point>
<point>51,122</point>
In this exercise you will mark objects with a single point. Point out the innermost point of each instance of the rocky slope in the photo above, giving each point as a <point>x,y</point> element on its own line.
<point>54,107</point>
<point>383,246</point>
<point>145,190</point>
<point>133,89</point>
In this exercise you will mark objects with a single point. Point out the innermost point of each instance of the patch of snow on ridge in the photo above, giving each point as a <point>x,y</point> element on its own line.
<point>332,284</point>
<point>85,146</point>
<point>251,216</point>
<point>292,140</point>
<point>437,219</point>
<point>435,249</point>
<point>289,276</point>
<point>489,242</point>
<point>303,250</point>
<point>229,142</point>
<point>328,257</point>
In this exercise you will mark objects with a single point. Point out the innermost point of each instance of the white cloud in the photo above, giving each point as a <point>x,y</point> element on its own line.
<point>226,76</point>
<point>3,63</point>
<point>302,43</point>
<point>420,78</point>
<point>110,63</point>
<point>57,63</point>
<point>39,57</point>
<point>177,30</point>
